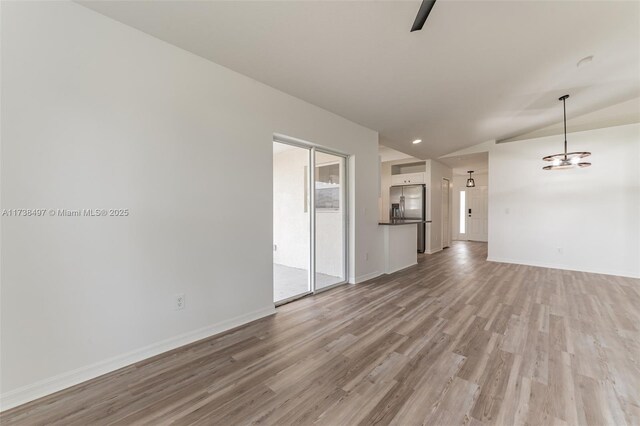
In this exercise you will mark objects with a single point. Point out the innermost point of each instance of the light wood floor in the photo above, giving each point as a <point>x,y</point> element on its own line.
<point>454,340</point>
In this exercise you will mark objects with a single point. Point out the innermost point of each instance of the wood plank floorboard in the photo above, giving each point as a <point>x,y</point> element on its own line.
<point>453,340</point>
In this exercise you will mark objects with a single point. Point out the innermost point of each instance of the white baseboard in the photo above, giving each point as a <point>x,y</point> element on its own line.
<point>433,251</point>
<point>402,267</point>
<point>366,277</point>
<point>564,267</point>
<point>62,381</point>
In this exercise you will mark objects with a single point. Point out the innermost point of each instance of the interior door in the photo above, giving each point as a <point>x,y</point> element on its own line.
<point>446,213</point>
<point>477,213</point>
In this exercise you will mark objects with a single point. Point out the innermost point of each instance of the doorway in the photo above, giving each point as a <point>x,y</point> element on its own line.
<point>477,214</point>
<point>309,220</point>
<point>473,213</point>
<point>446,213</point>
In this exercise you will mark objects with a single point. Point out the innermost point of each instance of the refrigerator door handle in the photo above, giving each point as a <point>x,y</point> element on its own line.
<point>402,206</point>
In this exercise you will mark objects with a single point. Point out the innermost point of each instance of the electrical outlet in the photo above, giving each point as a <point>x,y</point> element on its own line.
<point>560,250</point>
<point>179,301</point>
<point>366,256</point>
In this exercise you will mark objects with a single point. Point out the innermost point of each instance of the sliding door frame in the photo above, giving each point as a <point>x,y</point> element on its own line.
<point>311,184</point>
<point>345,216</point>
<point>311,268</point>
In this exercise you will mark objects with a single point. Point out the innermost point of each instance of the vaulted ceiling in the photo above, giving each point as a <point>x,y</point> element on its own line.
<point>477,71</point>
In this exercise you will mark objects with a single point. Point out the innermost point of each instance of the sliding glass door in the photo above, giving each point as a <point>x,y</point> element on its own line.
<point>330,220</point>
<point>291,222</point>
<point>309,220</point>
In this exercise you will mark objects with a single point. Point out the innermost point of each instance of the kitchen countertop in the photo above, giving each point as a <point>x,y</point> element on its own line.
<point>394,222</point>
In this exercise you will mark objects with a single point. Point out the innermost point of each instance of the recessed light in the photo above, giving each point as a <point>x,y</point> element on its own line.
<point>584,61</point>
<point>417,141</point>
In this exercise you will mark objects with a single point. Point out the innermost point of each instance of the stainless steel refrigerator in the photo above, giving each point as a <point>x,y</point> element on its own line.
<point>409,202</point>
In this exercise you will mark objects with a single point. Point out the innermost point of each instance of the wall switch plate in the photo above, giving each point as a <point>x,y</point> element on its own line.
<point>275,247</point>
<point>179,302</point>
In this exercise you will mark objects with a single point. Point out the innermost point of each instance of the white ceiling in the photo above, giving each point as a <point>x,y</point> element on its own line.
<point>477,71</point>
<point>390,154</point>
<point>616,115</point>
<point>461,164</point>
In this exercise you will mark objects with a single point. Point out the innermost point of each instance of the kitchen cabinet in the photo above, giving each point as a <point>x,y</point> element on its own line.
<point>408,178</point>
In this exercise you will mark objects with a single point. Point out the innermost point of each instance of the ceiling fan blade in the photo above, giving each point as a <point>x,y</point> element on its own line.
<point>423,14</point>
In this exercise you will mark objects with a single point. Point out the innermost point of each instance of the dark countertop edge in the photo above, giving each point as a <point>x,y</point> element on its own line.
<point>403,222</point>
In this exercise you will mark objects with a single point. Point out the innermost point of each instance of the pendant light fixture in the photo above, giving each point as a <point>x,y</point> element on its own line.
<point>566,160</point>
<point>470,182</point>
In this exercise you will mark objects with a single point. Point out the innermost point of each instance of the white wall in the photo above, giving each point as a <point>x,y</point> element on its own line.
<point>437,171</point>
<point>591,214</point>
<point>460,181</point>
<point>98,115</point>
